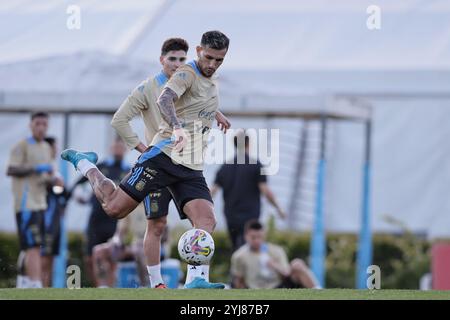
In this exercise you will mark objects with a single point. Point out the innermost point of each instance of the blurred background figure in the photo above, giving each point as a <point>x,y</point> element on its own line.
<point>30,166</point>
<point>242,185</point>
<point>101,227</point>
<point>262,265</point>
<point>56,203</point>
<point>125,245</point>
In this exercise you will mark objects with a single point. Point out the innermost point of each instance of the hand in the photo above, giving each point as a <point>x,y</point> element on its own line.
<point>180,139</point>
<point>275,266</point>
<point>58,185</point>
<point>141,147</point>
<point>43,168</point>
<point>271,264</point>
<point>223,122</point>
<point>58,181</point>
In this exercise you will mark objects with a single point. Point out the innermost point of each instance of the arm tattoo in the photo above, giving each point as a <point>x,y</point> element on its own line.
<point>167,107</point>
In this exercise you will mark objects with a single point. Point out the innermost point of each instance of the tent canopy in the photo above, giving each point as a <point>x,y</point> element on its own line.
<point>272,35</point>
<point>292,55</point>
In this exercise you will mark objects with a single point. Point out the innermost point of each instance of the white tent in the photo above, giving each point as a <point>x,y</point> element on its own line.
<point>283,55</point>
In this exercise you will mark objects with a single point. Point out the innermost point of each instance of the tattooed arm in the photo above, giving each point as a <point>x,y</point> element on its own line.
<point>166,104</point>
<point>167,108</point>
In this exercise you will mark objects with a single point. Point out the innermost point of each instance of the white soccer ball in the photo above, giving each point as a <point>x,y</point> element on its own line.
<point>196,247</point>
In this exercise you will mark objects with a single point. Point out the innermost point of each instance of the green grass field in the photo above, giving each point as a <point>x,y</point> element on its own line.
<point>274,294</point>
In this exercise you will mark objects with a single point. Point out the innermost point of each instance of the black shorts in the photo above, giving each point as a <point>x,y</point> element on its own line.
<point>52,232</point>
<point>29,227</point>
<point>156,203</point>
<point>159,172</point>
<point>287,283</point>
<point>98,234</point>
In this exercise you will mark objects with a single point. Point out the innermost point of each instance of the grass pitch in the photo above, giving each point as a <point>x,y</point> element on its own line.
<point>269,294</point>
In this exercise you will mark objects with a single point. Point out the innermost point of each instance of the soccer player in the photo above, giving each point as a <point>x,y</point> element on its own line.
<point>142,101</point>
<point>188,105</point>
<point>56,204</point>
<point>30,166</point>
<point>262,265</point>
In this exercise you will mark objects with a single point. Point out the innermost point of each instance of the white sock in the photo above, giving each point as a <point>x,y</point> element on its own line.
<point>194,272</point>
<point>154,274</point>
<point>205,272</point>
<point>84,166</point>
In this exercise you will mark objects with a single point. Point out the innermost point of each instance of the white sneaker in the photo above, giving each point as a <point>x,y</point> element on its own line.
<point>22,282</point>
<point>34,284</point>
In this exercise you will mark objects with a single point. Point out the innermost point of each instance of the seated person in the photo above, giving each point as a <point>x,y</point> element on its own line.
<point>107,255</point>
<point>261,265</point>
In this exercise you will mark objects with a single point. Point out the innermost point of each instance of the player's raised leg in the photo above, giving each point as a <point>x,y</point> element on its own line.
<point>116,203</point>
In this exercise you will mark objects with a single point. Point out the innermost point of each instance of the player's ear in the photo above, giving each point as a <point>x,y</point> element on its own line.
<point>161,59</point>
<point>199,50</point>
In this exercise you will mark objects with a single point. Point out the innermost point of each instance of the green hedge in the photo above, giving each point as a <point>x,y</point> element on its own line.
<point>9,248</point>
<point>402,259</point>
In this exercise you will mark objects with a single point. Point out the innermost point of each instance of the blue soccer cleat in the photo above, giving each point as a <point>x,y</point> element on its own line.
<point>200,283</point>
<point>74,156</point>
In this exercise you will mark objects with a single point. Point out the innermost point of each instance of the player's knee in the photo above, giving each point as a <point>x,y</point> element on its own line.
<point>298,265</point>
<point>115,211</point>
<point>98,252</point>
<point>157,227</point>
<point>208,222</point>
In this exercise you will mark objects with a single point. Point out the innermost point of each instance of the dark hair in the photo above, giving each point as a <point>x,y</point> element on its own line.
<point>174,44</point>
<point>39,114</point>
<point>246,140</point>
<point>50,140</point>
<point>215,40</point>
<point>253,225</point>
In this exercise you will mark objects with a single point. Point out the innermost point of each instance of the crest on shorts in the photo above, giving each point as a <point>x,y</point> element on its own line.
<point>154,206</point>
<point>140,185</point>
